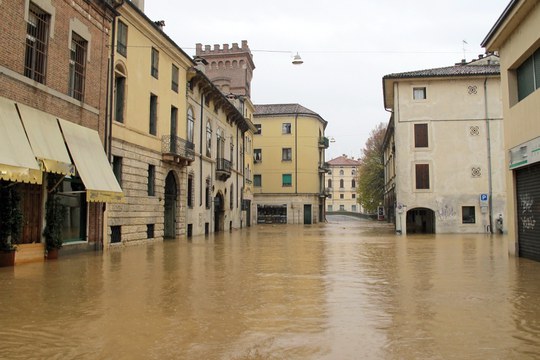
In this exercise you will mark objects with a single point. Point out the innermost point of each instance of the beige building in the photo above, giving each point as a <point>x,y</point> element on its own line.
<point>341,185</point>
<point>230,68</point>
<point>516,36</point>
<point>288,174</point>
<point>444,151</point>
<point>177,140</point>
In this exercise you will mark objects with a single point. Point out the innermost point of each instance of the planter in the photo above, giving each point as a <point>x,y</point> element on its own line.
<point>7,258</point>
<point>52,254</point>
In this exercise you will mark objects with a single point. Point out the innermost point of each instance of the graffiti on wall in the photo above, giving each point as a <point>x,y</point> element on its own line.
<point>526,215</point>
<point>445,211</point>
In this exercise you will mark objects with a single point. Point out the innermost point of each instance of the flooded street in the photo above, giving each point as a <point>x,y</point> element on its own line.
<point>348,289</point>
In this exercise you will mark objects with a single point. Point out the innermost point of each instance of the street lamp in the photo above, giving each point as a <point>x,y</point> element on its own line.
<point>297,60</point>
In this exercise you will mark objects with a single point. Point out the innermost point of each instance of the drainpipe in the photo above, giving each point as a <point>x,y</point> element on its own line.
<point>108,111</point>
<point>201,151</point>
<point>488,134</point>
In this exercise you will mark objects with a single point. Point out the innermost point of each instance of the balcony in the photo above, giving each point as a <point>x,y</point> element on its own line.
<point>176,150</point>
<point>223,169</point>
<point>324,167</point>
<point>325,193</point>
<point>324,142</point>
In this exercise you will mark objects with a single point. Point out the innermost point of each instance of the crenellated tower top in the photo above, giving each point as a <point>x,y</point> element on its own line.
<point>229,67</point>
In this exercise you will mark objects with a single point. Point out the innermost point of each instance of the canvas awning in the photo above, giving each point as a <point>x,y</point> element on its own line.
<point>92,165</point>
<point>46,140</point>
<point>17,161</point>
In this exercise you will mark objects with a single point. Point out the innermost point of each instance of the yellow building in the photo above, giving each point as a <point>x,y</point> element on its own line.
<point>151,146</point>
<point>341,185</point>
<point>516,36</point>
<point>289,168</point>
<point>177,139</point>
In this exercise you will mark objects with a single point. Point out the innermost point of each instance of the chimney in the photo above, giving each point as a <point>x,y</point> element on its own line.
<point>139,4</point>
<point>201,64</point>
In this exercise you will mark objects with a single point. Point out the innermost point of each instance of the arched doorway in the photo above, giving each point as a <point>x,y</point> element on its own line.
<point>219,213</point>
<point>420,221</point>
<point>170,206</point>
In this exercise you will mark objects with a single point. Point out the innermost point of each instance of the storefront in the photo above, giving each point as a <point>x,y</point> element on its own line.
<point>272,214</point>
<point>42,155</point>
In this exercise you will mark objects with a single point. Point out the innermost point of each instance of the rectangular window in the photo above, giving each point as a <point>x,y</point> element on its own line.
<point>353,208</point>
<point>155,63</point>
<point>468,215</point>
<point>341,207</point>
<point>37,35</point>
<point>286,154</point>
<point>119,97</point>
<point>153,114</point>
<point>422,176</point>
<point>117,168</point>
<point>257,180</point>
<point>419,93</point>
<point>151,180</point>
<point>329,208</point>
<point>286,180</point>
<point>353,196</point>
<point>259,129</point>
<point>528,75</point>
<point>190,191</point>
<point>286,128</point>
<point>257,155</point>
<point>174,78</point>
<point>116,234</point>
<point>420,135</point>
<point>121,39</point>
<point>342,196</point>
<point>77,66</point>
<point>150,231</point>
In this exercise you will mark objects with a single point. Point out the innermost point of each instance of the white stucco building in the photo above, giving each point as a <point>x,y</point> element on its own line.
<point>444,157</point>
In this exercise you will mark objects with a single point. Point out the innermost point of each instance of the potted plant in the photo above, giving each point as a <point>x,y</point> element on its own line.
<point>55,213</point>
<point>11,220</point>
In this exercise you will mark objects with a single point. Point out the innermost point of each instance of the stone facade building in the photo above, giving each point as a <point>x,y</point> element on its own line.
<point>177,139</point>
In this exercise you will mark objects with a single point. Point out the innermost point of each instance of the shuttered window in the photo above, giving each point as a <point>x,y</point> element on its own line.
<point>422,176</point>
<point>420,135</point>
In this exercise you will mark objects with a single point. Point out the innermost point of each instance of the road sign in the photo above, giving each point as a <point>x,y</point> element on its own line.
<point>484,199</point>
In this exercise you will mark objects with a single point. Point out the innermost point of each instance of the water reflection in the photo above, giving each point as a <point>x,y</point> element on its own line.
<point>342,290</point>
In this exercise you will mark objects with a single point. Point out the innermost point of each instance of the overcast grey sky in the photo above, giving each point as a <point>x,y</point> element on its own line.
<point>347,47</point>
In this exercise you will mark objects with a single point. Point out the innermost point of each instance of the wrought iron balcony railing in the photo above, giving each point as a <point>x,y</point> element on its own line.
<point>223,169</point>
<point>177,150</point>
<point>324,142</point>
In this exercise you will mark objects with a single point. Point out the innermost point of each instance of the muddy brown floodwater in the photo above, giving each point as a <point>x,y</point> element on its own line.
<point>347,289</point>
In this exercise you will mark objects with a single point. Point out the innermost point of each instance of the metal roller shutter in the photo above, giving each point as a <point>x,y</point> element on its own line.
<point>528,211</point>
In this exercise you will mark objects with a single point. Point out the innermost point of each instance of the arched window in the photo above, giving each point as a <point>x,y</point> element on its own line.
<point>190,125</point>
<point>231,198</point>
<point>341,184</point>
<point>353,183</point>
<point>119,93</point>
<point>341,172</point>
<point>329,183</point>
<point>208,139</point>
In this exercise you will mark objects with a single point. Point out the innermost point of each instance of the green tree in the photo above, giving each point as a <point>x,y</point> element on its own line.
<point>371,171</point>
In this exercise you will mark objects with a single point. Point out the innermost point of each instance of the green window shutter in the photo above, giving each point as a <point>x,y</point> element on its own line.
<point>525,79</point>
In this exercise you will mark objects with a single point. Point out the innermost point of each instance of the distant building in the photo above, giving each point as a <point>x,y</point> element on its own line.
<point>288,174</point>
<point>53,86</point>
<point>516,36</point>
<point>444,156</point>
<point>341,183</point>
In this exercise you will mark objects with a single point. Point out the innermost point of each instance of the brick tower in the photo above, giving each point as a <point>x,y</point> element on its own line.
<point>229,68</point>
